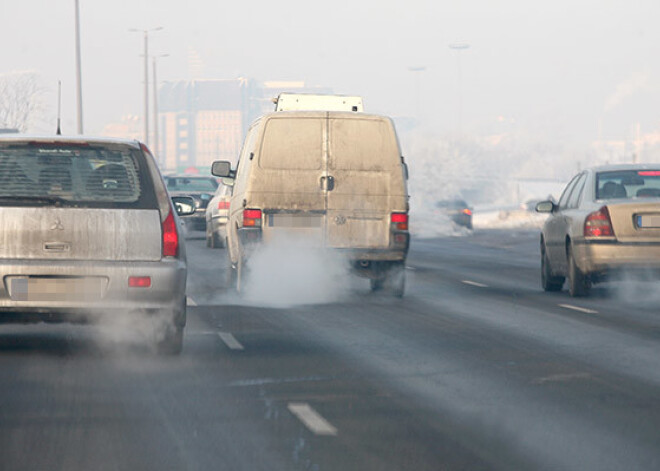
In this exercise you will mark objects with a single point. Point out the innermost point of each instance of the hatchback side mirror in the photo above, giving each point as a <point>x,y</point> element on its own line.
<point>183,205</point>
<point>545,207</point>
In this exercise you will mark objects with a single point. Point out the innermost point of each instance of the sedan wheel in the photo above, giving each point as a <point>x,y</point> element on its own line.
<point>549,282</point>
<point>578,284</point>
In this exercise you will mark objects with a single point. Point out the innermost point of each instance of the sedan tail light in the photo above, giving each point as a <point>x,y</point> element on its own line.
<point>598,224</point>
<point>399,221</point>
<point>223,204</point>
<point>251,218</point>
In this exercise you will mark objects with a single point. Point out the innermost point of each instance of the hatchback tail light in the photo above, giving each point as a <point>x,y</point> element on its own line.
<point>598,224</point>
<point>170,236</point>
<point>399,221</point>
<point>251,218</point>
<point>223,204</point>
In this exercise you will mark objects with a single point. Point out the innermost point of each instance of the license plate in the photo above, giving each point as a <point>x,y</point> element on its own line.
<point>648,221</point>
<point>295,220</point>
<point>57,289</point>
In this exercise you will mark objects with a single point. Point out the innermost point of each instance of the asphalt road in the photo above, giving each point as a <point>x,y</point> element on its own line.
<point>476,368</point>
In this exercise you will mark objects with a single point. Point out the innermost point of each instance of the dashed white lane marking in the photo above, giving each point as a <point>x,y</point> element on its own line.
<point>190,301</point>
<point>311,419</point>
<point>474,283</point>
<point>230,340</point>
<point>410,268</point>
<point>578,308</point>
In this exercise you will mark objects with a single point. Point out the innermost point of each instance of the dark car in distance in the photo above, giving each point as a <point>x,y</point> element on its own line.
<point>457,210</point>
<point>200,188</point>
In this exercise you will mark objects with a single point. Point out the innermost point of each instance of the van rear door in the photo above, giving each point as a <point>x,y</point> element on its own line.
<point>292,166</point>
<point>365,181</point>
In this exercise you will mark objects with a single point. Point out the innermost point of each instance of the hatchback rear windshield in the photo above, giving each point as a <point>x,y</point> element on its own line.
<point>626,184</point>
<point>72,174</point>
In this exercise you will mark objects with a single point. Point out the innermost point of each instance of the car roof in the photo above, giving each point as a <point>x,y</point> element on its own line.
<point>25,138</point>
<point>619,167</point>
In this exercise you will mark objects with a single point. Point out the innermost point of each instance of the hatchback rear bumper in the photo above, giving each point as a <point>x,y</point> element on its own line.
<point>111,291</point>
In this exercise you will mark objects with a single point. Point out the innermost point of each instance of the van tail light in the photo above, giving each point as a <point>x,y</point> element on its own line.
<point>223,204</point>
<point>251,218</point>
<point>399,221</point>
<point>170,236</point>
<point>598,224</point>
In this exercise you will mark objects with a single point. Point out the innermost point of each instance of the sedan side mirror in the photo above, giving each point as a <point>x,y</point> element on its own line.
<point>183,205</point>
<point>222,168</point>
<point>545,207</point>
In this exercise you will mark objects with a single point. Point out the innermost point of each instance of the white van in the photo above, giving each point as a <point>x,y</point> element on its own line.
<point>337,178</point>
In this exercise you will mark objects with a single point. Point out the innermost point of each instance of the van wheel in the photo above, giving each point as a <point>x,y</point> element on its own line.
<point>240,276</point>
<point>170,341</point>
<point>549,282</point>
<point>231,276</point>
<point>397,279</point>
<point>376,283</point>
<point>578,284</point>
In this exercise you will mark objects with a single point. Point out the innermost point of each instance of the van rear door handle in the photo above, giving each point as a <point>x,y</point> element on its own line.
<point>330,185</point>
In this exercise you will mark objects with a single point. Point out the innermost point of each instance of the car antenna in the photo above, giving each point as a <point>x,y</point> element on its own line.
<point>59,107</point>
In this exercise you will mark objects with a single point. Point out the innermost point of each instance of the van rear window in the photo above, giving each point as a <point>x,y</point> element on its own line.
<point>69,174</point>
<point>362,144</point>
<point>292,144</point>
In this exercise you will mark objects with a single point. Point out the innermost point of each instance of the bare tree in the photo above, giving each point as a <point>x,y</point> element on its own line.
<point>20,99</point>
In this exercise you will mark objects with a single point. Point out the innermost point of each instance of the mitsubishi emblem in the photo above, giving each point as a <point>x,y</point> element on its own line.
<point>57,225</point>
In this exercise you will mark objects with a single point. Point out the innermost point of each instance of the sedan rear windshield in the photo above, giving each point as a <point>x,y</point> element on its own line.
<point>72,174</point>
<point>208,185</point>
<point>626,184</point>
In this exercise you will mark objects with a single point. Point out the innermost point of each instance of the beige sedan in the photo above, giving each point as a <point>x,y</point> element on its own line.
<point>607,221</point>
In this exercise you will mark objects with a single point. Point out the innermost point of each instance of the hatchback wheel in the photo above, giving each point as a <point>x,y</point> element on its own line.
<point>578,284</point>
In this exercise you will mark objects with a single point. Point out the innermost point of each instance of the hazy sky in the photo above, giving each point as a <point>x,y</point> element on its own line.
<point>552,68</point>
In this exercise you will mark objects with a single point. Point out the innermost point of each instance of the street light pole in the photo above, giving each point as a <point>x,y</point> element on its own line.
<point>155,90</point>
<point>146,78</point>
<point>79,115</point>
<point>417,71</point>
<point>459,47</point>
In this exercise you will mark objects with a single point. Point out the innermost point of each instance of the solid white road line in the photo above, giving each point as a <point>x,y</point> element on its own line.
<point>578,308</point>
<point>311,419</point>
<point>190,301</point>
<point>230,341</point>
<point>474,283</point>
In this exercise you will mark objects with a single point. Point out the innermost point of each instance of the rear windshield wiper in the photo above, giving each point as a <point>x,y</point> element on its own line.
<point>45,200</point>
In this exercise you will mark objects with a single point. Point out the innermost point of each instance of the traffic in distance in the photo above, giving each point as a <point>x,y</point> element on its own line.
<point>299,323</point>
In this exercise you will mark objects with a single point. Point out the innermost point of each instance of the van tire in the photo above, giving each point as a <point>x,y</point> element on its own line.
<point>171,342</point>
<point>397,279</point>
<point>377,284</point>
<point>240,276</point>
<point>231,276</point>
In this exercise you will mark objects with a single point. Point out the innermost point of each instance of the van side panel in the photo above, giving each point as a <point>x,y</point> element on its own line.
<point>364,161</point>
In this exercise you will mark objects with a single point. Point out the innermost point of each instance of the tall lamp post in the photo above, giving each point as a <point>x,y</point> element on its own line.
<point>79,115</point>
<point>146,32</point>
<point>418,72</point>
<point>459,47</point>
<point>155,90</point>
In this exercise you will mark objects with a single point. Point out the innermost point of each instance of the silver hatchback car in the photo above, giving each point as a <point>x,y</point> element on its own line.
<point>87,229</point>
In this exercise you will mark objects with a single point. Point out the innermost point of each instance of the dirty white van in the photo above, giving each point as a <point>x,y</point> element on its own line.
<point>334,178</point>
